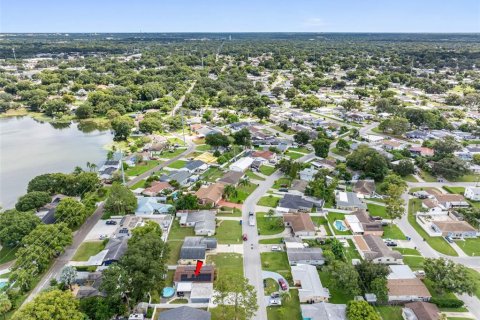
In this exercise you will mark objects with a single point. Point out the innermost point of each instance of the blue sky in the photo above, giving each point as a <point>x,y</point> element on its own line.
<point>240,16</point>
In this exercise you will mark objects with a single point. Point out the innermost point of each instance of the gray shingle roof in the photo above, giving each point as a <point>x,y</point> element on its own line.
<point>185,313</point>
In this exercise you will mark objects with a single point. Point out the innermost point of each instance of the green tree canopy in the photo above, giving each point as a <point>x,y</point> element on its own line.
<point>120,201</point>
<point>15,225</point>
<point>32,200</point>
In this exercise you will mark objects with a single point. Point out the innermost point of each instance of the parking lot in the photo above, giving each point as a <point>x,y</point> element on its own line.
<point>101,228</point>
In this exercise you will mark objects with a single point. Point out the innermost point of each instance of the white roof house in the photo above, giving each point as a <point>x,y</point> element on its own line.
<point>242,164</point>
<point>472,193</point>
<point>310,288</point>
<point>354,224</point>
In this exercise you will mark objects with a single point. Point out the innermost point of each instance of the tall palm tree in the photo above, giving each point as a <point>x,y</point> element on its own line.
<point>229,191</point>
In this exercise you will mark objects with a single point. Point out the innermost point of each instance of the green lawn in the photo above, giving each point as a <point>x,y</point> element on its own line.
<point>427,176</point>
<point>174,254</point>
<point>340,152</point>
<point>457,190</point>
<point>267,170</point>
<point>179,233</point>
<point>139,184</point>
<point>414,262</point>
<point>269,201</point>
<point>229,232</point>
<point>289,131</point>
<point>88,249</point>
<point>470,246</point>
<point>243,192</point>
<point>141,168</point>
<point>271,241</point>
<point>271,286</point>
<point>407,251</point>
<point>437,243</point>
<point>467,178</point>
<point>268,225</point>
<point>410,178</point>
<point>227,264</point>
<point>393,232</point>
<point>390,312</point>
<point>331,217</point>
<point>300,150</point>
<point>254,176</point>
<point>177,164</point>
<point>377,210</point>
<point>229,212</point>
<point>290,308</point>
<point>203,147</point>
<point>476,278</point>
<point>351,252</point>
<point>294,155</point>
<point>276,262</point>
<point>7,254</point>
<point>444,295</point>
<point>337,295</point>
<point>322,221</point>
<point>169,154</point>
<point>282,181</point>
<point>212,174</point>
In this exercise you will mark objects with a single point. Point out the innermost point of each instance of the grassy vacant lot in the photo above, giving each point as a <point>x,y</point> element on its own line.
<point>254,176</point>
<point>337,295</point>
<point>390,312</point>
<point>280,182</point>
<point>437,243</point>
<point>410,178</point>
<point>212,174</point>
<point>177,164</point>
<point>269,225</point>
<point>276,262</point>
<point>7,254</point>
<point>141,168</point>
<point>467,178</point>
<point>300,150</point>
<point>271,241</point>
<point>172,154</point>
<point>268,201</point>
<point>332,216</point>
<point>267,170</point>
<point>203,147</point>
<point>88,249</point>
<point>294,155</point>
<point>243,192</point>
<point>290,308</point>
<point>377,210</point>
<point>457,190</point>
<point>393,232</point>
<point>227,264</point>
<point>139,184</point>
<point>470,246</point>
<point>427,176</point>
<point>229,232</point>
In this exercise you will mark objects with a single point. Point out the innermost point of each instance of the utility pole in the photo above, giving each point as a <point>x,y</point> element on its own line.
<point>183,129</point>
<point>14,56</point>
<point>121,166</point>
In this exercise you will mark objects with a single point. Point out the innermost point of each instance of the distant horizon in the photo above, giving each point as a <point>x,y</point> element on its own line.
<point>240,32</point>
<point>223,16</point>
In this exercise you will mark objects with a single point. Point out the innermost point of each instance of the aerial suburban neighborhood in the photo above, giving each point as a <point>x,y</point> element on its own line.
<point>314,176</point>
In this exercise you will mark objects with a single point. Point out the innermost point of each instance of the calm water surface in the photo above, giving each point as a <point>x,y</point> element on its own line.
<point>29,148</point>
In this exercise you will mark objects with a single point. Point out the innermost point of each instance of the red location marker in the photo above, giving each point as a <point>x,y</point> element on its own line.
<point>199,266</point>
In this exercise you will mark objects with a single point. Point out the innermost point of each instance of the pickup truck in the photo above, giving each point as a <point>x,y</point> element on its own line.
<point>251,221</point>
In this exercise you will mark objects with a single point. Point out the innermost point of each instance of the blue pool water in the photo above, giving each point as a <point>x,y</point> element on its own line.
<point>339,225</point>
<point>168,292</point>
<point>3,284</point>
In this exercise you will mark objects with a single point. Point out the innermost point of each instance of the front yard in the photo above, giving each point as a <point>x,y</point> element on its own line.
<point>267,170</point>
<point>243,191</point>
<point>177,164</point>
<point>88,249</point>
<point>269,225</point>
<point>142,167</point>
<point>269,201</point>
<point>230,264</point>
<point>228,232</point>
<point>470,246</point>
<point>290,308</point>
<point>276,262</point>
<point>377,210</point>
<point>393,232</point>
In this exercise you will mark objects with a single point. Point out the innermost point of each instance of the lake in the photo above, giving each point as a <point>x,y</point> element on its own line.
<point>29,148</point>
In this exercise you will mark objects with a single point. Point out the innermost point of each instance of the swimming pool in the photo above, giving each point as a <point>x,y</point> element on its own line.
<point>168,292</point>
<point>339,225</point>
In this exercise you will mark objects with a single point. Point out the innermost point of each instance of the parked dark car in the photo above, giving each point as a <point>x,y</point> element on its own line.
<point>244,237</point>
<point>283,190</point>
<point>111,222</point>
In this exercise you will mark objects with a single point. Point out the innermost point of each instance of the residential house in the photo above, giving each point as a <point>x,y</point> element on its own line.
<point>185,313</point>
<point>265,156</point>
<point>392,145</point>
<point>310,288</point>
<point>109,167</point>
<point>300,223</point>
<point>298,203</point>
<point>195,248</point>
<point>242,164</point>
<point>354,224</point>
<point>472,193</point>
<point>373,248</point>
<point>211,194</point>
<point>449,201</point>
<point>348,201</point>
<point>372,138</point>
<point>369,225</point>
<point>187,274</point>
<point>364,187</point>
<point>404,286</point>
<point>422,151</point>
<point>156,188</point>
<point>115,248</point>
<point>312,256</point>
<point>420,310</point>
<point>47,212</point>
<point>454,229</point>
<point>183,177</point>
<point>148,206</point>
<point>308,174</point>
<point>203,221</point>
<point>193,166</point>
<point>231,177</point>
<point>324,311</point>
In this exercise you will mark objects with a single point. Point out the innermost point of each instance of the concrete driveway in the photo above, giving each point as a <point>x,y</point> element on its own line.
<point>101,228</point>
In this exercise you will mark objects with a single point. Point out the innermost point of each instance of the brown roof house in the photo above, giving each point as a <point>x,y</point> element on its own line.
<point>156,188</point>
<point>373,248</point>
<point>265,156</point>
<point>300,223</point>
<point>369,225</point>
<point>231,177</point>
<point>420,311</point>
<point>404,286</point>
<point>365,187</point>
<point>211,194</point>
<point>454,229</point>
